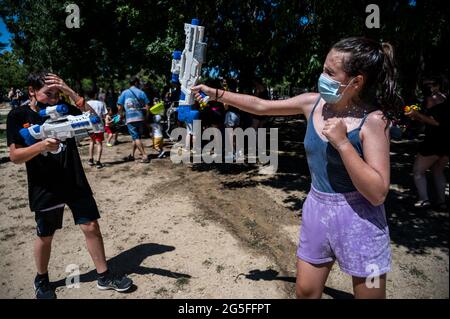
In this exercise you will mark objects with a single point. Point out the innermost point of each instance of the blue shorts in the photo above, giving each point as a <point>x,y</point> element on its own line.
<point>136,130</point>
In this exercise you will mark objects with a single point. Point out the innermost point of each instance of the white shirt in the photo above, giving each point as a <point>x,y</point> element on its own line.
<point>99,107</point>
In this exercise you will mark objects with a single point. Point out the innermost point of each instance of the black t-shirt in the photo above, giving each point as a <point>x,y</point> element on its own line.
<point>55,178</point>
<point>440,113</point>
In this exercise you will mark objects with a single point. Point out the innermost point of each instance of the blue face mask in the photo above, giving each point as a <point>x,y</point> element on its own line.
<point>328,89</point>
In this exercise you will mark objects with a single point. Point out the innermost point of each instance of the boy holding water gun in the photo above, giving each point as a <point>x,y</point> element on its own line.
<point>56,179</point>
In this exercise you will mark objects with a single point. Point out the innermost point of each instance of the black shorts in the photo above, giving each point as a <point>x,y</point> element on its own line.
<point>84,210</point>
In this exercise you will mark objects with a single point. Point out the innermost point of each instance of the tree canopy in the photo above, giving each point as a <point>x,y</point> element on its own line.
<point>279,41</point>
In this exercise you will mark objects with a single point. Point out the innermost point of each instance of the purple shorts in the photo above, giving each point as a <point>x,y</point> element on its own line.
<point>347,228</point>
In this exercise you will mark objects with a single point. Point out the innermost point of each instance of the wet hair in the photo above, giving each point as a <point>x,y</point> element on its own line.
<point>375,61</point>
<point>37,79</point>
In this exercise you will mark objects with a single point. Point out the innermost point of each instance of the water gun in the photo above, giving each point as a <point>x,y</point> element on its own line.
<point>61,126</point>
<point>186,68</point>
<point>116,119</point>
<point>410,108</point>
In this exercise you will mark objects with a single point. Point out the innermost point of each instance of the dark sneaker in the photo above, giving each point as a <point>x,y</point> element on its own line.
<point>91,162</point>
<point>99,165</point>
<point>44,290</point>
<point>118,283</point>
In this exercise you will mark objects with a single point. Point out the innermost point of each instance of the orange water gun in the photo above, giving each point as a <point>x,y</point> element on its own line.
<point>413,107</point>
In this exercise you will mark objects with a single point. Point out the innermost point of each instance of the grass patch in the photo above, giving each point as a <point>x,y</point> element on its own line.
<point>161,291</point>
<point>250,224</point>
<point>414,271</point>
<point>417,273</point>
<point>182,282</point>
<point>13,207</point>
<point>207,263</point>
<point>200,221</point>
<point>8,236</point>
<point>219,269</point>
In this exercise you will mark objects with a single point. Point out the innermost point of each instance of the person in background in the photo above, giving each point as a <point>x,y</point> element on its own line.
<point>97,138</point>
<point>133,102</point>
<point>433,151</point>
<point>157,135</point>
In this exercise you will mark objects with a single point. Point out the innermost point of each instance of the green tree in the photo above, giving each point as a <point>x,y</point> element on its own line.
<point>13,72</point>
<point>280,41</point>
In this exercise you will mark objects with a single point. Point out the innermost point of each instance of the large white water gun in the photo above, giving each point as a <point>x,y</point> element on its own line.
<point>61,126</point>
<point>186,69</point>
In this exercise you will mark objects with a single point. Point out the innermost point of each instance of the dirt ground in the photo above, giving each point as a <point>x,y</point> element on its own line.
<point>211,231</point>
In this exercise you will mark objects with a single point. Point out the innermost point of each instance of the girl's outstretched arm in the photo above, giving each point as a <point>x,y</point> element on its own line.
<point>252,104</point>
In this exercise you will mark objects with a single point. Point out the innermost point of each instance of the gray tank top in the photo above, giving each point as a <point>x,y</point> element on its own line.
<point>328,172</point>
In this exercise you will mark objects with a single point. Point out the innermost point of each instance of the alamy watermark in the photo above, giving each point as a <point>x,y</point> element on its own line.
<point>373,19</point>
<point>258,148</point>
<point>73,280</point>
<point>73,19</point>
<point>373,280</point>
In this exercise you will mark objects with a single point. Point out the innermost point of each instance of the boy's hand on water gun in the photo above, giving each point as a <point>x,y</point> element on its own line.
<point>335,130</point>
<point>49,145</point>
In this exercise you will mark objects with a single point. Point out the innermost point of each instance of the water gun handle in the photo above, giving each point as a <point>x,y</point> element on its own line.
<point>205,98</point>
<point>61,147</point>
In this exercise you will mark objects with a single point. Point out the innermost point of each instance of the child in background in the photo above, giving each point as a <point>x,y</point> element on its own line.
<point>157,135</point>
<point>111,129</point>
<point>97,137</point>
<point>108,125</point>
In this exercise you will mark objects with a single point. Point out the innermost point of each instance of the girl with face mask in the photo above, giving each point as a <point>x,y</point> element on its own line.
<point>347,147</point>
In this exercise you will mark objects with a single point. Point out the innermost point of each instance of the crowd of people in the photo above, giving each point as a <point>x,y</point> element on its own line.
<point>131,112</point>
